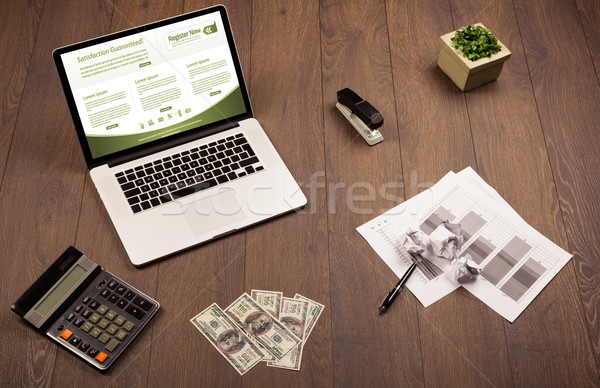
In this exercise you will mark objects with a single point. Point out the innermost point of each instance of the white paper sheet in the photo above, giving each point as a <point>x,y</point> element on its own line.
<point>518,261</point>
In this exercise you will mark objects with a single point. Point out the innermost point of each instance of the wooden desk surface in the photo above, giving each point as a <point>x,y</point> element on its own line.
<point>533,135</point>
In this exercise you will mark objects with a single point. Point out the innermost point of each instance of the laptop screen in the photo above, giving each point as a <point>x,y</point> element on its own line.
<point>153,83</point>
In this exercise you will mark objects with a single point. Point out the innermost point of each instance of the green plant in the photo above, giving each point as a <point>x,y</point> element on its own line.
<point>475,42</point>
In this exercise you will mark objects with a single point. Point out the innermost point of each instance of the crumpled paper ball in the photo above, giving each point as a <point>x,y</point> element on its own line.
<point>446,240</point>
<point>465,269</point>
<point>416,241</point>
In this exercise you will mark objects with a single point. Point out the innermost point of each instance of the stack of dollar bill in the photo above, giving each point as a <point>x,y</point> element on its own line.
<point>265,326</point>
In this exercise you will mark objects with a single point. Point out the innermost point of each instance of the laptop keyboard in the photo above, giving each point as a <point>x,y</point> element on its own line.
<point>188,172</point>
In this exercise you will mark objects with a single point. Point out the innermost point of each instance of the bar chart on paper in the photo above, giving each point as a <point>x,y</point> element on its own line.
<point>517,261</point>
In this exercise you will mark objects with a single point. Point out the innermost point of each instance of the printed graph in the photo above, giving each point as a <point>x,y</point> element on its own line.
<point>435,219</point>
<point>512,263</point>
<point>516,260</point>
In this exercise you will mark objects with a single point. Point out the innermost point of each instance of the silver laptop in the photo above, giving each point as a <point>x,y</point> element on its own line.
<point>167,131</point>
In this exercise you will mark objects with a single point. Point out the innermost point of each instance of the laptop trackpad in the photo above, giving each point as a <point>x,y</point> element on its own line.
<point>214,212</point>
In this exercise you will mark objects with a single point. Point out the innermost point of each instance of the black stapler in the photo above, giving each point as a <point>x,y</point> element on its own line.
<point>362,115</point>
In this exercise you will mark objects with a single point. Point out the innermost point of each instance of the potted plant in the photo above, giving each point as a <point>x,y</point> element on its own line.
<point>471,56</point>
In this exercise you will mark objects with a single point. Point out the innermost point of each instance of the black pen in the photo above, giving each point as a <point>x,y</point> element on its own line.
<point>396,290</point>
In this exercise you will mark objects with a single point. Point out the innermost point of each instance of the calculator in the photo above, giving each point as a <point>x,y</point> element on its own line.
<point>86,309</point>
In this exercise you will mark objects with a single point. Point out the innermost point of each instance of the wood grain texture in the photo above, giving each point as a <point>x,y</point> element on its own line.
<point>504,118</point>
<point>559,66</point>
<point>356,55</point>
<point>288,253</point>
<point>589,13</point>
<point>41,194</point>
<point>532,134</point>
<point>18,33</point>
<point>435,137</point>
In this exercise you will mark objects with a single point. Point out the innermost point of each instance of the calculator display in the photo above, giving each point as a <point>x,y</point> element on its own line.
<point>60,290</point>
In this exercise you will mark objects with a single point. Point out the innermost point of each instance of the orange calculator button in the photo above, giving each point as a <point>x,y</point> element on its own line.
<point>66,334</point>
<point>101,357</point>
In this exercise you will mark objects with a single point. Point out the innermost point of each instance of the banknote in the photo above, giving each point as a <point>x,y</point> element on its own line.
<point>268,300</point>
<point>271,302</point>
<point>228,338</point>
<point>314,312</point>
<point>262,327</point>
<point>293,315</point>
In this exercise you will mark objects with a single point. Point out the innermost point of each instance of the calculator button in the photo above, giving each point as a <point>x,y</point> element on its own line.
<point>111,315</point>
<point>95,332</point>
<point>136,312</point>
<point>86,327</point>
<point>102,309</point>
<point>121,335</point>
<point>66,334</point>
<point>101,357</point>
<point>84,346</point>
<point>70,317</point>
<point>113,298</point>
<point>93,352</point>
<point>112,329</point>
<point>103,323</point>
<point>122,303</point>
<point>112,284</point>
<point>129,295</point>
<point>120,320</point>
<point>75,340</point>
<point>104,338</point>
<point>94,304</point>
<point>143,303</point>
<point>120,290</point>
<point>112,345</point>
<point>79,321</point>
<point>78,308</point>
<point>86,300</point>
<point>128,326</point>
<point>105,293</point>
<point>95,318</point>
<point>86,313</point>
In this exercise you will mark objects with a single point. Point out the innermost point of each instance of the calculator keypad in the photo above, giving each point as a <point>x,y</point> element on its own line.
<point>104,320</point>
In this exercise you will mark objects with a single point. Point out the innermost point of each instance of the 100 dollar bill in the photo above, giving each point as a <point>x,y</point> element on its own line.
<point>271,302</point>
<point>293,315</point>
<point>268,300</point>
<point>228,339</point>
<point>262,327</point>
<point>314,312</point>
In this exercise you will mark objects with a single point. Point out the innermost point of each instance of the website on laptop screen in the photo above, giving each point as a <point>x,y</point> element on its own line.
<point>154,84</point>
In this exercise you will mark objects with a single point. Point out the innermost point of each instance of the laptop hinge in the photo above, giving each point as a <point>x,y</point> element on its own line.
<point>174,143</point>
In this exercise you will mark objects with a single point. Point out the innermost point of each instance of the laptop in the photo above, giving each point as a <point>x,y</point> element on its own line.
<point>167,131</point>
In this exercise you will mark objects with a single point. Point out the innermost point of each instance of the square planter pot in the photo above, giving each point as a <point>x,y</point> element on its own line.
<point>465,73</point>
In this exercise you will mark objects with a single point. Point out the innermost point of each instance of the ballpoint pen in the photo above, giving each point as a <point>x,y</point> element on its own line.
<point>396,290</point>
